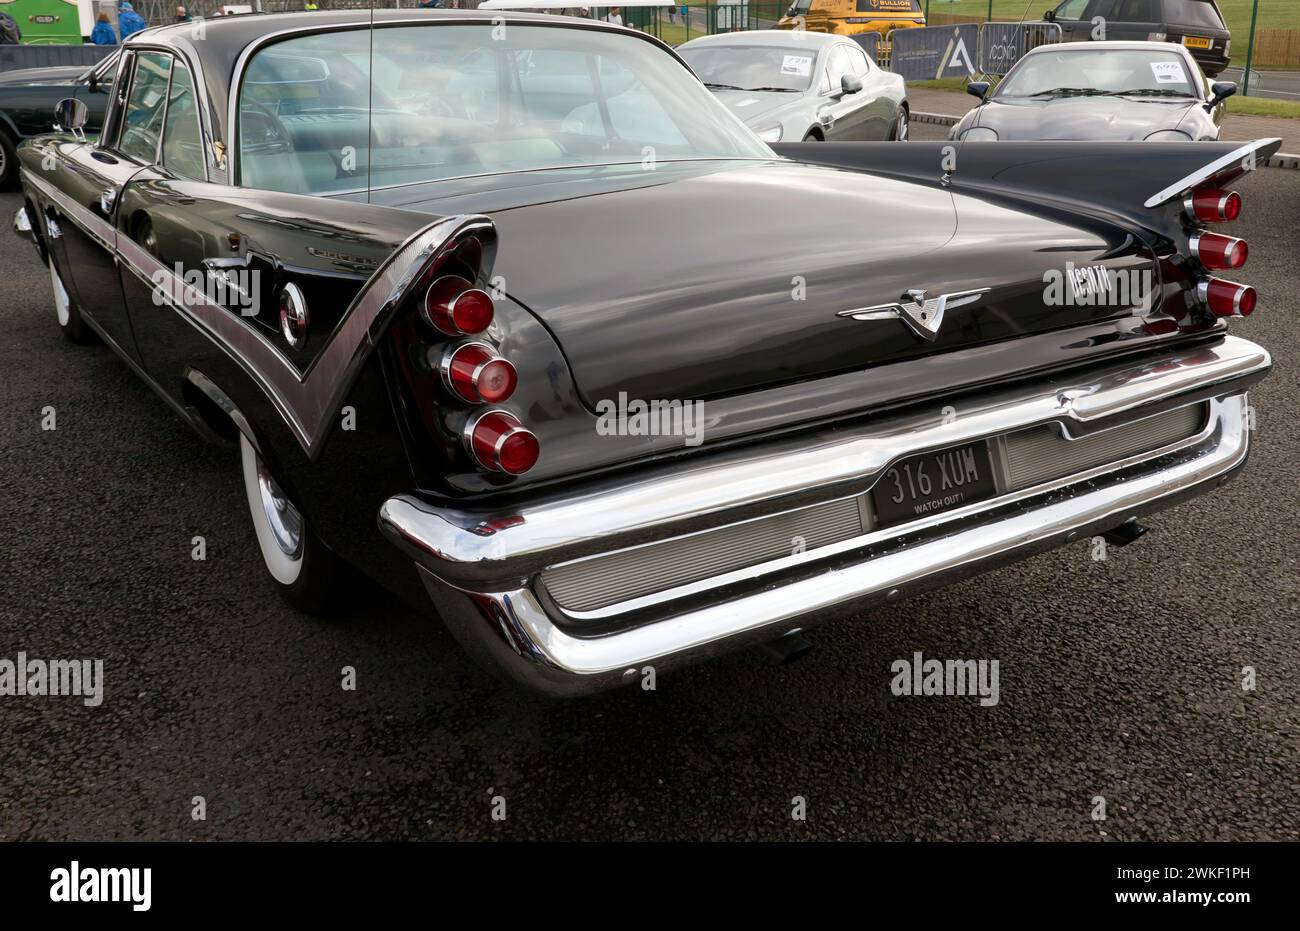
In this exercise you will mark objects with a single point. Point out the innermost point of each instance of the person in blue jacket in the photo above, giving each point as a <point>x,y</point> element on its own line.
<point>129,21</point>
<point>103,33</point>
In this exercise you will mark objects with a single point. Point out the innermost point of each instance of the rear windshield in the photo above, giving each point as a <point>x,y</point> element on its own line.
<point>1192,13</point>
<point>334,112</point>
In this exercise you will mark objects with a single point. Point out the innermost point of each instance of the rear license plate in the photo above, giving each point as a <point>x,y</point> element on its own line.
<point>932,482</point>
<point>1196,42</point>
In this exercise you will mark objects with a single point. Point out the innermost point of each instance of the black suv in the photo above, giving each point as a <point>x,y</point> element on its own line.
<point>1196,24</point>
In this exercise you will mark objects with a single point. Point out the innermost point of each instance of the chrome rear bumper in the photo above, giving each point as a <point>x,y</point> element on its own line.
<point>482,569</point>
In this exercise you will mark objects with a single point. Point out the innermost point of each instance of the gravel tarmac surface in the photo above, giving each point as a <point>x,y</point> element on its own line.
<point>1119,679</point>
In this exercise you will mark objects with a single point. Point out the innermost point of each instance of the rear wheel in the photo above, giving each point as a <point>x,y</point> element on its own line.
<point>306,574</point>
<point>900,129</point>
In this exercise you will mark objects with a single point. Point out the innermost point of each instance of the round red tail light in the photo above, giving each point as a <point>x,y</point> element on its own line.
<point>1212,204</point>
<point>1226,298</point>
<point>453,306</point>
<point>1218,251</point>
<point>475,373</point>
<point>500,443</point>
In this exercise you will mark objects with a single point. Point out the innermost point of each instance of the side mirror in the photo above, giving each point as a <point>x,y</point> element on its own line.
<point>1219,92</point>
<point>70,115</point>
<point>850,84</point>
<point>978,89</point>
<point>1049,16</point>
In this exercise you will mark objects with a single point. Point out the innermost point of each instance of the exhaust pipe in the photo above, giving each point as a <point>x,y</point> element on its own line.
<point>786,649</point>
<point>1125,533</point>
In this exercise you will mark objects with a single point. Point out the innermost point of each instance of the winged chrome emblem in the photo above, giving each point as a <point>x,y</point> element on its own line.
<point>923,316</point>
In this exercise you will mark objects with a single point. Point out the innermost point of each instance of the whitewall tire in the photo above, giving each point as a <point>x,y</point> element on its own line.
<point>306,574</point>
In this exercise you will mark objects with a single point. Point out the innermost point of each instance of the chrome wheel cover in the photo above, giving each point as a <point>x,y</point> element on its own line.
<point>277,522</point>
<point>281,516</point>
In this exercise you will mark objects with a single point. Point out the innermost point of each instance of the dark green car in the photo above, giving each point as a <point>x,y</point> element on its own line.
<point>28,96</point>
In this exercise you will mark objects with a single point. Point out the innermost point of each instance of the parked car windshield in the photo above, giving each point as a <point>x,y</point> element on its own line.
<point>327,113</point>
<point>752,67</point>
<point>1104,71</point>
<point>1192,13</point>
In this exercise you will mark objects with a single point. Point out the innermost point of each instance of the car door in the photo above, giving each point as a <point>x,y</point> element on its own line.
<point>1069,15</point>
<point>845,112</point>
<point>171,254</point>
<point>877,109</point>
<point>98,172</point>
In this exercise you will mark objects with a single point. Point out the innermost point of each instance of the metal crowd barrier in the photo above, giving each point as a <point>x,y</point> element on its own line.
<point>1002,44</point>
<point>14,57</point>
<point>931,52</point>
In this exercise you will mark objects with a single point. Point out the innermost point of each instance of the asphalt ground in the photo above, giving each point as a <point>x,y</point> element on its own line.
<point>1284,85</point>
<point>1119,679</point>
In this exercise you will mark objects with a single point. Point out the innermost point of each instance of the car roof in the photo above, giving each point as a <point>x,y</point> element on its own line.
<point>240,29</point>
<point>1109,45</point>
<point>785,38</point>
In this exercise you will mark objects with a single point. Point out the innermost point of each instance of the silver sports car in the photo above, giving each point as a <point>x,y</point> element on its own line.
<point>801,86</point>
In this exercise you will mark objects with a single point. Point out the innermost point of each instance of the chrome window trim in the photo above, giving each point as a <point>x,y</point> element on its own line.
<point>162,136</point>
<point>135,71</point>
<point>196,77</point>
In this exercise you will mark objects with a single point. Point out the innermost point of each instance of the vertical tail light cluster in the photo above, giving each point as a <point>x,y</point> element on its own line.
<point>1214,251</point>
<point>474,373</point>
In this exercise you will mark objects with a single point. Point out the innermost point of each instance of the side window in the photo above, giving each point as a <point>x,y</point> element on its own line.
<point>837,67</point>
<point>858,61</point>
<point>145,104</point>
<point>182,148</point>
<point>1134,11</point>
<point>1071,9</point>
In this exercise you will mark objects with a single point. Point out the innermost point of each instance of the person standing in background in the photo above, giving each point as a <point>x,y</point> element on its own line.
<point>181,15</point>
<point>129,21</point>
<point>103,33</point>
<point>613,17</point>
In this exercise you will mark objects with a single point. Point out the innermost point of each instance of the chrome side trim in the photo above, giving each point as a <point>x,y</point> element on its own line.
<point>309,401</point>
<point>95,226</point>
<point>1182,184</point>
<point>482,548</point>
<point>510,630</point>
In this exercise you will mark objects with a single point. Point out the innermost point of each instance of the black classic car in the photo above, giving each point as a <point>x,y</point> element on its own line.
<point>1148,91</point>
<point>801,86</point>
<point>28,96</point>
<point>510,314</point>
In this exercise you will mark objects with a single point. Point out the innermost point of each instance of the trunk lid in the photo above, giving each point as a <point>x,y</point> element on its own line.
<point>713,280</point>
